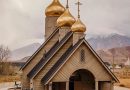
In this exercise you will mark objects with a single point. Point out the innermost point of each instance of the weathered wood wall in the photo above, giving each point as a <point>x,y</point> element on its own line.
<point>36,59</point>
<point>40,75</point>
<point>91,64</point>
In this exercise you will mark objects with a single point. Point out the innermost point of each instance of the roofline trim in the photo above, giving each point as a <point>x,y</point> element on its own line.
<point>27,62</point>
<point>100,59</point>
<point>63,63</point>
<point>94,54</point>
<point>50,57</point>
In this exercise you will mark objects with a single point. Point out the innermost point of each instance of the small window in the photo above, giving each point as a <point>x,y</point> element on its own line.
<point>82,55</point>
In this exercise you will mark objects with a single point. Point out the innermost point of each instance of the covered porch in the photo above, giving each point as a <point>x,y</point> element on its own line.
<point>80,80</point>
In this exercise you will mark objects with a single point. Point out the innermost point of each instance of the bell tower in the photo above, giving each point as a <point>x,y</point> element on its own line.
<point>52,12</point>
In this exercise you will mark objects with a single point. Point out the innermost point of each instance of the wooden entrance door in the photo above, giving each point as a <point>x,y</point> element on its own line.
<point>59,86</point>
<point>78,85</point>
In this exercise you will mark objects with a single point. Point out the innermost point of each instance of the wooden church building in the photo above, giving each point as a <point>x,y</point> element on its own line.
<point>65,61</point>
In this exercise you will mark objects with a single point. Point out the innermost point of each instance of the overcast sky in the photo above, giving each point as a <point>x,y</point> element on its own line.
<point>22,21</point>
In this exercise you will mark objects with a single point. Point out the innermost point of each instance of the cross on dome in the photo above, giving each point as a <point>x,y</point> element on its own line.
<point>78,26</point>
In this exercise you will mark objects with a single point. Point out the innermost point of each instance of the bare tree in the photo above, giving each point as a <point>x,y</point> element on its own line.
<point>4,56</point>
<point>4,53</point>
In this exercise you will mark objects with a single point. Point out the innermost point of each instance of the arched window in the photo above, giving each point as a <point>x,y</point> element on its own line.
<point>82,55</point>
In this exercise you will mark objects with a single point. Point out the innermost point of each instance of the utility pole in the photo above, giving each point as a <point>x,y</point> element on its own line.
<point>113,59</point>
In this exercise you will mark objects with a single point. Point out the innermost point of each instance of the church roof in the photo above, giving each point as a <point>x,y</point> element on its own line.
<point>59,62</point>
<point>51,73</point>
<point>49,55</point>
<point>39,49</point>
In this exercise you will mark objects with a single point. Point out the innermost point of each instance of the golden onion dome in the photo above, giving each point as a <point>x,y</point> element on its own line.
<point>78,26</point>
<point>66,19</point>
<point>54,9</point>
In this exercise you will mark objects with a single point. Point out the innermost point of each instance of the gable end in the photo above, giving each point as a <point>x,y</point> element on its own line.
<point>56,68</point>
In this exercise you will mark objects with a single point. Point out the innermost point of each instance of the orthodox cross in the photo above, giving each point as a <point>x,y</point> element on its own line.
<point>78,4</point>
<point>67,5</point>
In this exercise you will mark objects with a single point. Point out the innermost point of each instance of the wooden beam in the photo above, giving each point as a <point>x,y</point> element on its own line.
<point>96,85</point>
<point>67,85</point>
<point>50,86</point>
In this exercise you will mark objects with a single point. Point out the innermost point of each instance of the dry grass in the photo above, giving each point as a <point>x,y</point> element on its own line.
<point>9,78</point>
<point>124,82</point>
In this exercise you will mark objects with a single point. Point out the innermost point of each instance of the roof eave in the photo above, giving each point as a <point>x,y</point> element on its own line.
<point>28,61</point>
<point>114,77</point>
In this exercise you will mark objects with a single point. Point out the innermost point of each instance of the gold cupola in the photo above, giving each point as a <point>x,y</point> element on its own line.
<point>66,19</point>
<point>55,9</point>
<point>78,26</point>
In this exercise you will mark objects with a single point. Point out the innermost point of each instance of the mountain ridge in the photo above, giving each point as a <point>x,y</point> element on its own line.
<point>120,54</point>
<point>25,51</point>
<point>109,42</point>
<point>99,43</point>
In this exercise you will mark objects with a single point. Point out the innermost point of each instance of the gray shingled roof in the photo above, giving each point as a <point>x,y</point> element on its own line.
<point>59,63</point>
<point>48,55</point>
<point>39,49</point>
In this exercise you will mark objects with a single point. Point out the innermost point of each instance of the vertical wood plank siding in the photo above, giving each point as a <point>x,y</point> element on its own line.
<point>92,64</point>
<point>48,66</point>
<point>36,59</point>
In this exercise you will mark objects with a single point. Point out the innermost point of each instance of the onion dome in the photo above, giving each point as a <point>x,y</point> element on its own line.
<point>78,26</point>
<point>54,9</point>
<point>66,19</point>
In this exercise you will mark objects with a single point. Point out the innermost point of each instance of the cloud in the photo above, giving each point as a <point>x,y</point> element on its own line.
<point>106,15</point>
<point>23,20</point>
<point>20,21</point>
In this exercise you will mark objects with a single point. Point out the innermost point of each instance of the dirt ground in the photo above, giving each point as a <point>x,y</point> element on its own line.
<point>9,78</point>
<point>124,83</point>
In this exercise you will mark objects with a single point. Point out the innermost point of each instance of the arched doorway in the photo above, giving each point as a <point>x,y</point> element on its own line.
<point>82,80</point>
